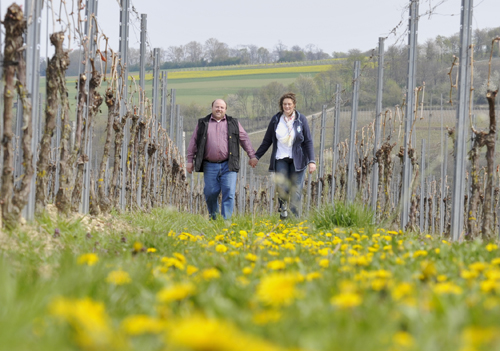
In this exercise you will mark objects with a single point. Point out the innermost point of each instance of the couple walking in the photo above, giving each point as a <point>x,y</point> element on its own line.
<point>214,149</point>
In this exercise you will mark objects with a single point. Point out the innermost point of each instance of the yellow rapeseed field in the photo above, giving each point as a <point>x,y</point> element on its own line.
<point>242,72</point>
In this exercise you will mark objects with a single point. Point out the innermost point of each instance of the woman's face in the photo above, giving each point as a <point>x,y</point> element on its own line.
<point>288,106</point>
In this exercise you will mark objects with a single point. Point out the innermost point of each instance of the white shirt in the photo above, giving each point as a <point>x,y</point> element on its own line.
<point>286,137</point>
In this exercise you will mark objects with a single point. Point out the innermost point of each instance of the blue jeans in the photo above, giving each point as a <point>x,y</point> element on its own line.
<point>289,184</point>
<point>218,178</point>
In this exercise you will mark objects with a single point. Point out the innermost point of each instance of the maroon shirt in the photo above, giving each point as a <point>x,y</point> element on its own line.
<point>216,149</point>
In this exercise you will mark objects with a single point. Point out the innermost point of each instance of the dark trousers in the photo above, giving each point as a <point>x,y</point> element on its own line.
<point>289,184</point>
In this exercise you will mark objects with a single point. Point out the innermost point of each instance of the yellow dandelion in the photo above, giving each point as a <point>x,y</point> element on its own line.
<point>247,270</point>
<point>89,259</point>
<point>89,321</point>
<point>142,324</point>
<point>313,275</point>
<point>176,292</point>
<point>266,317</point>
<point>447,288</point>
<point>402,290</point>
<point>324,263</point>
<point>118,277</point>
<point>221,248</point>
<point>180,257</point>
<point>276,265</point>
<point>173,262</point>
<point>251,257</point>
<point>191,270</point>
<point>419,253</point>
<point>210,274</point>
<point>403,339</point>
<point>346,300</point>
<point>277,289</point>
<point>151,250</point>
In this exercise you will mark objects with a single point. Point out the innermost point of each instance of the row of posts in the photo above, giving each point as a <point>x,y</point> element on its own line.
<point>34,20</point>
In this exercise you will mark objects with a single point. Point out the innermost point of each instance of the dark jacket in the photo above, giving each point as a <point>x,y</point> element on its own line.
<point>302,148</point>
<point>233,133</point>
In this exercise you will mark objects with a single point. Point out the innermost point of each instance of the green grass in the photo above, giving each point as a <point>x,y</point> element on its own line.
<point>340,214</point>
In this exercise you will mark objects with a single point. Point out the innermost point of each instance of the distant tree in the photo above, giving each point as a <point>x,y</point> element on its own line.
<point>338,54</point>
<point>253,52</point>
<point>215,50</point>
<point>326,82</point>
<point>194,51</point>
<point>176,53</point>
<point>292,56</point>
<point>266,99</point>
<point>134,56</point>
<point>306,87</point>
<point>279,49</point>
<point>263,55</point>
<point>393,94</point>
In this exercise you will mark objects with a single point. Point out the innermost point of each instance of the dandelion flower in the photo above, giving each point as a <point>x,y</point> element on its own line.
<point>221,248</point>
<point>276,265</point>
<point>277,289</point>
<point>251,257</point>
<point>324,263</point>
<point>210,273</point>
<point>89,259</point>
<point>191,270</point>
<point>176,292</point>
<point>118,277</point>
<point>403,339</point>
<point>142,324</point>
<point>346,300</point>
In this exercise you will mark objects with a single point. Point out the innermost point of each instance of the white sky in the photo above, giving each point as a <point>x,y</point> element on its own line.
<point>328,24</point>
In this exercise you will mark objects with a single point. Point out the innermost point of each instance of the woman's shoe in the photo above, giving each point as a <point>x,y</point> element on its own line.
<point>283,210</point>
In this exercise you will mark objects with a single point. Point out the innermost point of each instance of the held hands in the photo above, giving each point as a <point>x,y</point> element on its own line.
<point>253,162</point>
<point>312,167</point>
<point>189,168</point>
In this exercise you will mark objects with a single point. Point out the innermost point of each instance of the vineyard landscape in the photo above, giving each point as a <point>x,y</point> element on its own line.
<point>105,241</point>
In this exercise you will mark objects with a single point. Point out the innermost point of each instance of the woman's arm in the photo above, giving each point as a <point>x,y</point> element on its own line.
<point>307,144</point>
<point>267,141</point>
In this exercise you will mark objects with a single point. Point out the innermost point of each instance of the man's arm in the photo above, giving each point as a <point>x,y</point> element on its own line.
<point>191,151</point>
<point>246,144</point>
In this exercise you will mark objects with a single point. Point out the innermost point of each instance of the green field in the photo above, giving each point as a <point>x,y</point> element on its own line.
<point>203,90</point>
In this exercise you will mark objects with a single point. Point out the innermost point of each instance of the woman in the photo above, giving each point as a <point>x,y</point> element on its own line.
<point>292,152</point>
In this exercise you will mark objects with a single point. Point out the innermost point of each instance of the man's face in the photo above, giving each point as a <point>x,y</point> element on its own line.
<point>219,109</point>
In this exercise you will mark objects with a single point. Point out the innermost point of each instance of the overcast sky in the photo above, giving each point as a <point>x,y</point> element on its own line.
<point>331,25</point>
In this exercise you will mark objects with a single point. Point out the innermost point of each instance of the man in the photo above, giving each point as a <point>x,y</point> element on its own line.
<point>214,149</point>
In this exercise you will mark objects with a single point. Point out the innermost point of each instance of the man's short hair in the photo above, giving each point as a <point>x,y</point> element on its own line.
<point>213,102</point>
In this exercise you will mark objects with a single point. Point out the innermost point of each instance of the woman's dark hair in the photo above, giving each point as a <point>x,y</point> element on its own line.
<point>287,96</point>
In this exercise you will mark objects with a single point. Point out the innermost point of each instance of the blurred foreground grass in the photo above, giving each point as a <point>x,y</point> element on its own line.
<point>171,281</point>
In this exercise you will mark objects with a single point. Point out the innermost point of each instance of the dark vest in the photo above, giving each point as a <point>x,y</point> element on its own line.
<point>233,133</point>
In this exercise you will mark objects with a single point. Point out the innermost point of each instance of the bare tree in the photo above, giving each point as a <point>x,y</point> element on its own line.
<point>175,54</point>
<point>134,56</point>
<point>279,49</point>
<point>307,89</point>
<point>194,51</point>
<point>263,55</point>
<point>215,50</point>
